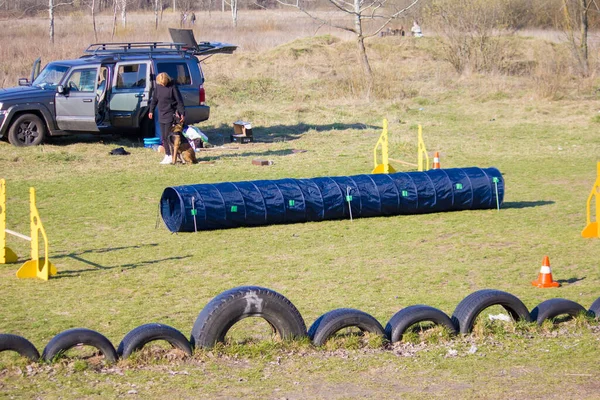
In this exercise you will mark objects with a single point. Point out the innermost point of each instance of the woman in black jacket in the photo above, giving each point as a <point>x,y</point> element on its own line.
<point>169,101</point>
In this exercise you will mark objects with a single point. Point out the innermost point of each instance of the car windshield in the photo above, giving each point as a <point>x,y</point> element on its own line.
<point>50,76</point>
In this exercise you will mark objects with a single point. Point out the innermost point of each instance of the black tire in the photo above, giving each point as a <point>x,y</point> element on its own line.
<point>409,316</point>
<point>73,337</point>
<point>19,344</point>
<point>144,334</point>
<point>553,308</point>
<point>331,322</point>
<point>594,310</point>
<point>27,130</point>
<point>235,304</point>
<point>469,308</point>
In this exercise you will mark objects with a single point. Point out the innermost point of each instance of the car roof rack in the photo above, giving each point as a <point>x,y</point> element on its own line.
<point>186,36</point>
<point>136,48</point>
<point>185,45</point>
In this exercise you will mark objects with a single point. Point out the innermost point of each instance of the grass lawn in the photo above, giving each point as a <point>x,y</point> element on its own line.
<point>119,267</point>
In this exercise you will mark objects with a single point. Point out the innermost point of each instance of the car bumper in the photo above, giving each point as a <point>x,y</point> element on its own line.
<point>195,114</point>
<point>3,124</point>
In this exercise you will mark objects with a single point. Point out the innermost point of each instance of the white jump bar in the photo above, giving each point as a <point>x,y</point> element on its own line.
<point>17,234</point>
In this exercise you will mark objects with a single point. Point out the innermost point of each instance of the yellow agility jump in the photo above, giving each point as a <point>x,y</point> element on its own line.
<point>36,267</point>
<point>592,229</point>
<point>385,167</point>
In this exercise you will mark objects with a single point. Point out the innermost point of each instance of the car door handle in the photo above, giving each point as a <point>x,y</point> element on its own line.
<point>87,100</point>
<point>140,95</point>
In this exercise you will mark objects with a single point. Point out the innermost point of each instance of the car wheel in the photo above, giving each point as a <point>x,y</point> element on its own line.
<point>27,130</point>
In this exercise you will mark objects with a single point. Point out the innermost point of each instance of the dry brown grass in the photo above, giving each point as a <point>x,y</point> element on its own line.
<point>26,39</point>
<point>279,56</point>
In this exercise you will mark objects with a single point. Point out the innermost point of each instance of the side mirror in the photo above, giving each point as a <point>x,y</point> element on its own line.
<point>24,82</point>
<point>60,89</point>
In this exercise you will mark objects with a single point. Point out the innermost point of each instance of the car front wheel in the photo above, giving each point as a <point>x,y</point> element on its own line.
<point>27,130</point>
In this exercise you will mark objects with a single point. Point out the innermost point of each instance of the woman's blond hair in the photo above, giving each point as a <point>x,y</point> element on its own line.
<point>163,79</point>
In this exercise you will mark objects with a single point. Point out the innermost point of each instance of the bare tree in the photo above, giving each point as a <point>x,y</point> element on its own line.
<point>156,3</point>
<point>187,5</point>
<point>51,7</point>
<point>358,13</point>
<point>468,32</point>
<point>233,4</point>
<point>575,24</point>
<point>114,25</point>
<point>123,6</point>
<point>92,6</point>
<point>234,12</point>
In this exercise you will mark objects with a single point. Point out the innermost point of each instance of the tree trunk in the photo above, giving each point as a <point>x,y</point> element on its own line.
<point>362,51</point>
<point>124,12</point>
<point>366,66</point>
<point>114,27</point>
<point>583,4</point>
<point>174,5</point>
<point>94,20</point>
<point>222,5</point>
<point>51,18</point>
<point>156,14</point>
<point>234,12</point>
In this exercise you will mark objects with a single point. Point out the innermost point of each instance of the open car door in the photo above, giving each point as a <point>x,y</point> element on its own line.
<point>189,43</point>
<point>75,100</point>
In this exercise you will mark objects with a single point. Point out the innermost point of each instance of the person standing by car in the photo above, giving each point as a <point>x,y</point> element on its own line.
<point>416,29</point>
<point>170,106</point>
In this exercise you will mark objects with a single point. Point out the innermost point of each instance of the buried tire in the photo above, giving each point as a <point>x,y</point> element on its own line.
<point>137,338</point>
<point>471,306</point>
<point>553,308</point>
<point>409,316</point>
<point>231,306</point>
<point>19,344</point>
<point>594,310</point>
<point>73,337</point>
<point>331,322</point>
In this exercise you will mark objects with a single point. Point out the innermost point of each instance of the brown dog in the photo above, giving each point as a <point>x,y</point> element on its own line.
<point>180,148</point>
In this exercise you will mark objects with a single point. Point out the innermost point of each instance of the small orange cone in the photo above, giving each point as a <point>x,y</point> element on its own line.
<point>436,160</point>
<point>544,279</point>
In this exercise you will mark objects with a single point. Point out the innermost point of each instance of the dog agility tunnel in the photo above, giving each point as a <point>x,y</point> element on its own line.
<point>234,204</point>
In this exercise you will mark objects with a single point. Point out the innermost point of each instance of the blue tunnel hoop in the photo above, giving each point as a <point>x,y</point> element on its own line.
<point>251,203</point>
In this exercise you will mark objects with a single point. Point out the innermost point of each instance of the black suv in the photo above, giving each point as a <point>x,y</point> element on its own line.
<point>107,90</point>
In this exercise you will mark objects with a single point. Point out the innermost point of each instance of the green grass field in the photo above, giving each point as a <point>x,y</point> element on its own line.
<point>119,267</point>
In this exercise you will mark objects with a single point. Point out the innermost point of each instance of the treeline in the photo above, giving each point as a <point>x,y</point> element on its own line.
<point>517,14</point>
<point>34,7</point>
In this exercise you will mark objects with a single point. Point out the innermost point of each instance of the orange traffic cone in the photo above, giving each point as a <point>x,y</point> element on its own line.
<point>544,279</point>
<point>436,160</point>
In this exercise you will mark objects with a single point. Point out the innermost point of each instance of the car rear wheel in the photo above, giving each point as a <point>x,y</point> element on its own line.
<point>27,130</point>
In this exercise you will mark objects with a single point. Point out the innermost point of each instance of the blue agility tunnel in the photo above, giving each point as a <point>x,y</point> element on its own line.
<point>234,204</point>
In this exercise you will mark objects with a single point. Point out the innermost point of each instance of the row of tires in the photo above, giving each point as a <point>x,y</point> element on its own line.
<point>229,307</point>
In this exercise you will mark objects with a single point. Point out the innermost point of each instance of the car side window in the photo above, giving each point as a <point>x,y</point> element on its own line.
<point>131,76</point>
<point>178,71</point>
<point>82,80</point>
